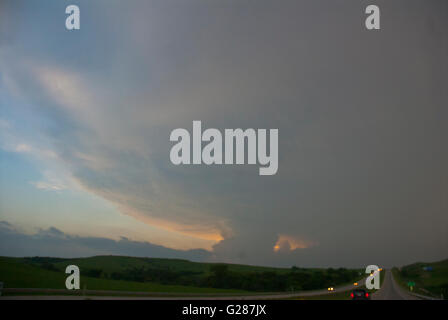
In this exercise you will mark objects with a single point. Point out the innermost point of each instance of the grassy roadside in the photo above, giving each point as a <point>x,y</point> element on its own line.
<point>420,287</point>
<point>330,296</point>
<point>23,274</point>
<point>20,275</point>
<point>149,275</point>
<point>82,293</point>
<point>431,279</point>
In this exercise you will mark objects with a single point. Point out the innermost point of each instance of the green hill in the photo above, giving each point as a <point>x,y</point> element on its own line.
<point>121,263</point>
<point>166,275</point>
<point>20,273</point>
<point>428,282</point>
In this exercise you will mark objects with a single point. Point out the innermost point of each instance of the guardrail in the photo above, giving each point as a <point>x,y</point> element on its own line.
<point>421,296</point>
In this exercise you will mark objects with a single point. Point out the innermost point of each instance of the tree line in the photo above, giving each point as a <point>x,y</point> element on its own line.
<point>220,276</point>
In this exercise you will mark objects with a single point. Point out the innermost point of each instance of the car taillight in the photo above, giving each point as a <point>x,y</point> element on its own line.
<point>352,295</point>
<point>367,294</point>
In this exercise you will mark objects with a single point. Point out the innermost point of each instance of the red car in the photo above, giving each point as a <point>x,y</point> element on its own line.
<point>360,294</point>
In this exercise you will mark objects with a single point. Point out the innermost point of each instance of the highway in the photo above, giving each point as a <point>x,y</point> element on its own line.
<point>390,290</point>
<point>164,297</point>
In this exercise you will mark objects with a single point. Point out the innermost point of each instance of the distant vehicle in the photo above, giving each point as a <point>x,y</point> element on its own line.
<point>330,289</point>
<point>360,294</point>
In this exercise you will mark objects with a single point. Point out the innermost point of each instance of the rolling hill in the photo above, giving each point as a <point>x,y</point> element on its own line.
<point>121,273</point>
<point>429,278</point>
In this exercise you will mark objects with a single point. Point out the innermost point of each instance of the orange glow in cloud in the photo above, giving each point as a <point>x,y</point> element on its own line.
<point>286,242</point>
<point>203,232</point>
<point>206,235</point>
<point>184,236</point>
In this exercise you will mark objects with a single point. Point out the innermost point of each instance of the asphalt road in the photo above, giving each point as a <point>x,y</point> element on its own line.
<point>161,297</point>
<point>390,290</point>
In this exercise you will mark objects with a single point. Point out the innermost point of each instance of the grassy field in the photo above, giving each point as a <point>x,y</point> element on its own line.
<point>120,263</point>
<point>152,275</point>
<point>17,273</point>
<point>345,295</point>
<point>432,283</point>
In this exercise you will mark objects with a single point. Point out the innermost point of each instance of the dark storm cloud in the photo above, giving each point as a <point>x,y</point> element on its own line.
<point>361,116</point>
<point>55,243</point>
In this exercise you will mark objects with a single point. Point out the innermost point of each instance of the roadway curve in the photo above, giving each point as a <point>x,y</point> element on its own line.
<point>390,290</point>
<point>162,297</point>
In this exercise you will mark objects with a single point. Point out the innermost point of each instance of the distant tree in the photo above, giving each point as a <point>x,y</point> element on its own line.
<point>49,266</point>
<point>94,273</point>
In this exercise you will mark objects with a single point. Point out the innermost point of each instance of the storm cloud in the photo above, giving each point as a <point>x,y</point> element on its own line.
<point>363,174</point>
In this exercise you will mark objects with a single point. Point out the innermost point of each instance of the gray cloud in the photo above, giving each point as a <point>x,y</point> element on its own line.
<point>361,118</point>
<point>55,243</point>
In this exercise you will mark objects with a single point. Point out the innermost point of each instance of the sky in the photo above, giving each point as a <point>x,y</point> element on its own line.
<point>86,115</point>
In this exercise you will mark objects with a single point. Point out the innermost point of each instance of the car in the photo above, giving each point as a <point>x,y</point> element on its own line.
<point>360,294</point>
